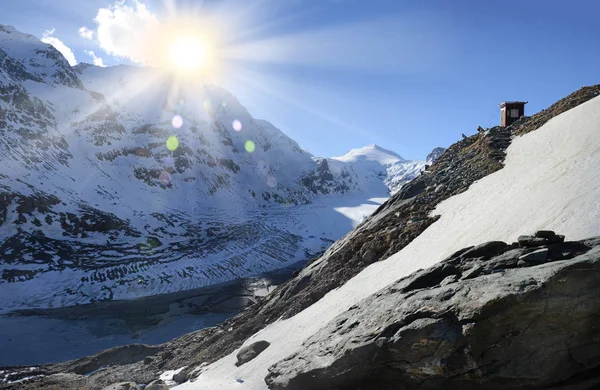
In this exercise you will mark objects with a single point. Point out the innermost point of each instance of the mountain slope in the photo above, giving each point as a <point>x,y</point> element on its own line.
<point>542,185</point>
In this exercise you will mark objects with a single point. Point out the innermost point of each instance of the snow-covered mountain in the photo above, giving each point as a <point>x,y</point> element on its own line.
<point>374,164</point>
<point>121,182</point>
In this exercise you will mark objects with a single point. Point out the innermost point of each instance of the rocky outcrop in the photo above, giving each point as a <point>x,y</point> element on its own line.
<point>484,318</point>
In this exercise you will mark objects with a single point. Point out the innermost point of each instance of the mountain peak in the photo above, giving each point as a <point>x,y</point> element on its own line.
<point>435,154</point>
<point>372,152</point>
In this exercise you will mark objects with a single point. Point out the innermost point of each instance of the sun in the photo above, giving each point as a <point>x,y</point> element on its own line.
<point>188,53</point>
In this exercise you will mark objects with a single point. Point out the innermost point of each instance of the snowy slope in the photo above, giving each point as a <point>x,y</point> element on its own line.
<point>95,206</point>
<point>549,182</point>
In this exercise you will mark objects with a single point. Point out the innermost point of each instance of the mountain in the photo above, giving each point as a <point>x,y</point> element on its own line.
<point>459,280</point>
<point>373,163</point>
<point>123,182</point>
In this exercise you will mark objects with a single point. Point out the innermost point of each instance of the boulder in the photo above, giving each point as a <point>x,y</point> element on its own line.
<point>487,249</point>
<point>182,376</point>
<point>251,351</point>
<point>537,256</point>
<point>521,324</point>
<point>532,241</point>
<point>158,384</point>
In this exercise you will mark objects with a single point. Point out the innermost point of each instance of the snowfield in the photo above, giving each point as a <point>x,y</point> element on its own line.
<point>550,181</point>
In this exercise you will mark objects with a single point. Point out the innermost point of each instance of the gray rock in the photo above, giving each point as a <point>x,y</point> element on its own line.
<point>182,376</point>
<point>537,256</point>
<point>531,327</point>
<point>123,386</point>
<point>531,241</point>
<point>251,351</point>
<point>158,384</point>
<point>369,256</point>
<point>487,249</point>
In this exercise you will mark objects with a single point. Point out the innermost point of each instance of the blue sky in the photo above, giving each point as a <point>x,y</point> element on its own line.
<point>341,74</point>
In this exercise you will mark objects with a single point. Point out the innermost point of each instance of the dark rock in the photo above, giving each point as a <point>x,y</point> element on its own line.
<point>545,234</point>
<point>182,376</point>
<point>158,384</point>
<point>369,256</point>
<point>431,277</point>
<point>251,351</point>
<point>538,256</point>
<point>487,250</point>
<point>472,272</point>
<point>531,241</point>
<point>529,328</point>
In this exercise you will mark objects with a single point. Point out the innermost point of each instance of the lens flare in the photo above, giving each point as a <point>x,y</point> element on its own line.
<point>177,121</point>
<point>172,143</point>
<point>168,161</point>
<point>237,125</point>
<point>164,178</point>
<point>249,146</point>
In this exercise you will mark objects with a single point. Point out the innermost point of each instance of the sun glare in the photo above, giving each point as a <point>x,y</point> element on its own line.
<point>189,53</point>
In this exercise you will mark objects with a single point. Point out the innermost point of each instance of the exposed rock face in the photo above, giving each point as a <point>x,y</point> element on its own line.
<point>122,386</point>
<point>251,351</point>
<point>480,319</point>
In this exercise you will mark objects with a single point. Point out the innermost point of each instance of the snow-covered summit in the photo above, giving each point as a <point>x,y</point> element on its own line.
<point>372,162</point>
<point>25,57</point>
<point>371,152</point>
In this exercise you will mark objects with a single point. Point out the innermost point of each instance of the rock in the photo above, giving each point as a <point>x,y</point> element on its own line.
<point>529,328</point>
<point>552,237</point>
<point>123,386</point>
<point>545,234</point>
<point>369,256</point>
<point>182,376</point>
<point>250,352</point>
<point>158,384</point>
<point>487,249</point>
<point>148,360</point>
<point>538,256</point>
<point>531,241</point>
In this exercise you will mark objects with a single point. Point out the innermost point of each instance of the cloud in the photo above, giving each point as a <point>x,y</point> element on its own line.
<point>128,29</point>
<point>97,60</point>
<point>59,45</point>
<point>86,33</point>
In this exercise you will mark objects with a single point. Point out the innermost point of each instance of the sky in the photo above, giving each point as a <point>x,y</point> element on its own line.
<point>341,74</point>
